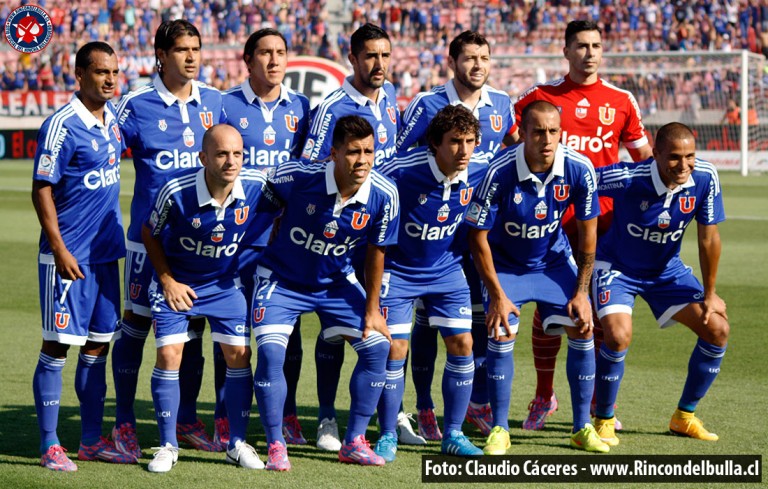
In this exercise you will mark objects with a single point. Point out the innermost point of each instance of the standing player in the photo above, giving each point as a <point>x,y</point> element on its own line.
<point>192,238</point>
<point>435,184</point>
<point>163,123</point>
<point>596,118</point>
<point>273,121</point>
<point>75,191</point>
<point>523,255</point>
<point>330,209</point>
<point>655,201</point>
<point>469,57</point>
<point>366,93</point>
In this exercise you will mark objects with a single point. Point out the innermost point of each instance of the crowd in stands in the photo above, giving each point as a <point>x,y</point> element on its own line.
<point>420,30</point>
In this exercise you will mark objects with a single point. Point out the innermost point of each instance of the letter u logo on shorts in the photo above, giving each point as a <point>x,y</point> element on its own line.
<point>291,122</point>
<point>62,320</point>
<point>206,119</point>
<point>604,297</point>
<point>359,220</point>
<point>465,195</point>
<point>241,214</point>
<point>687,204</point>
<point>258,314</point>
<point>135,290</point>
<point>496,122</point>
<point>562,192</point>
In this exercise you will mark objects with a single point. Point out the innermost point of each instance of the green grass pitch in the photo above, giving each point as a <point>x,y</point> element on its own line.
<point>656,368</point>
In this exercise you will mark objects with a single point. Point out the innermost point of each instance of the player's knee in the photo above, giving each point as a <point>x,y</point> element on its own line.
<point>718,330</point>
<point>398,350</point>
<point>95,349</point>
<point>460,344</point>
<point>237,356</point>
<point>54,349</point>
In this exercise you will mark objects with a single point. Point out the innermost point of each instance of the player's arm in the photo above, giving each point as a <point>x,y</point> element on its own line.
<point>642,153</point>
<point>500,307</point>
<point>579,308</point>
<point>42,198</point>
<point>709,259</point>
<point>374,269</point>
<point>178,296</point>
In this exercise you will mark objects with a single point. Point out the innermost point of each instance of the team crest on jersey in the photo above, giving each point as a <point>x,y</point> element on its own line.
<point>540,211</point>
<point>217,235</point>
<point>581,108</point>
<point>196,222</point>
<point>291,122</point>
<point>359,220</point>
<point>244,122</point>
<point>607,115</point>
<point>258,314</point>
<point>562,192</point>
<point>241,214</point>
<point>112,158</point>
<point>310,209</point>
<point>62,320</point>
<point>269,136</point>
<point>422,199</point>
<point>664,220</point>
<point>382,133</point>
<point>518,198</point>
<point>162,125</point>
<point>443,212</point>
<point>94,145</point>
<point>465,195</point>
<point>206,119</point>
<point>644,205</point>
<point>392,114</point>
<point>687,204</point>
<point>45,165</point>
<point>189,137</point>
<point>330,229</point>
<point>604,297</point>
<point>116,131</point>
<point>496,122</point>
<point>134,291</point>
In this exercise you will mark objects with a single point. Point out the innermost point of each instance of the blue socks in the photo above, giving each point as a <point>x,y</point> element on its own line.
<point>703,368</point>
<point>457,388</point>
<point>501,369</point>
<point>580,369</point>
<point>610,371</point>
<point>329,357</point>
<point>269,384</point>
<point>91,389</point>
<point>46,386</point>
<point>239,395</point>
<point>392,396</point>
<point>127,353</point>
<point>367,382</point>
<point>165,396</point>
<point>423,355</point>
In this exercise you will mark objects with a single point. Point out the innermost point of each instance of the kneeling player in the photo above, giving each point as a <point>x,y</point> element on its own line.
<point>654,202</point>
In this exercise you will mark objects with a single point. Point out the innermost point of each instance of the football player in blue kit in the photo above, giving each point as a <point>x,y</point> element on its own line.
<point>655,201</point>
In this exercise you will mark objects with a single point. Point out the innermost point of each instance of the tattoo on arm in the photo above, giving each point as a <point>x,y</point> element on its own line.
<point>585,263</point>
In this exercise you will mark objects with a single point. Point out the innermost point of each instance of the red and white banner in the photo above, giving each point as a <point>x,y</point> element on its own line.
<point>32,104</point>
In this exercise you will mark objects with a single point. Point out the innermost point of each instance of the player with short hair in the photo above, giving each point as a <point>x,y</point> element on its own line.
<point>273,121</point>
<point>596,118</point>
<point>469,57</point>
<point>523,255</point>
<point>654,203</point>
<point>75,192</point>
<point>163,123</point>
<point>330,209</point>
<point>435,184</point>
<point>368,94</point>
<point>192,237</point>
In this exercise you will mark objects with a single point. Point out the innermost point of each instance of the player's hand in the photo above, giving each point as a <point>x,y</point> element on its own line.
<point>374,321</point>
<point>713,304</point>
<point>498,315</point>
<point>67,266</point>
<point>178,296</point>
<point>580,311</point>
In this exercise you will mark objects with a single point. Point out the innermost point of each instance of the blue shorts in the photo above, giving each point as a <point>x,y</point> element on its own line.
<point>613,292</point>
<point>76,311</point>
<point>225,310</point>
<point>550,289</point>
<point>276,307</point>
<point>138,277</point>
<point>446,302</point>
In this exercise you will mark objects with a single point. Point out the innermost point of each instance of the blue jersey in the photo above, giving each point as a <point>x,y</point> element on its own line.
<point>272,132</point>
<point>383,115</point>
<point>494,111</point>
<point>318,234</point>
<point>523,212</point>
<point>165,136</point>
<point>430,239</point>
<point>649,219</point>
<point>201,238</point>
<point>80,157</point>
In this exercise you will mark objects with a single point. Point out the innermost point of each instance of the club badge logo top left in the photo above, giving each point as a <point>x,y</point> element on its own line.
<point>28,29</point>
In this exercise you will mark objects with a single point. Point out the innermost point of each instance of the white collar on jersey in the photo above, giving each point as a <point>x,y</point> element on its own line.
<point>204,196</point>
<point>524,173</point>
<point>358,97</point>
<point>360,196</point>
<point>662,189</point>
<point>250,95</point>
<point>170,98</point>
<point>87,117</point>
<point>463,175</point>
<point>453,97</point>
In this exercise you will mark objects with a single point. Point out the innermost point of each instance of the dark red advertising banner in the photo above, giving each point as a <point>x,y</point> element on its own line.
<point>32,103</point>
